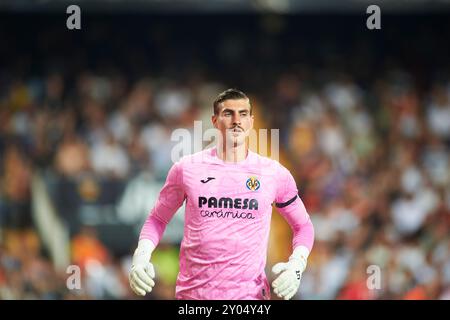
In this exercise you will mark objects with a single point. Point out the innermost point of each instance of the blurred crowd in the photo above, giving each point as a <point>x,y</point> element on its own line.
<point>369,151</point>
<point>375,177</point>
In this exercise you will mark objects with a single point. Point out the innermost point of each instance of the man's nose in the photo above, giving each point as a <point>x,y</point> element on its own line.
<point>237,119</point>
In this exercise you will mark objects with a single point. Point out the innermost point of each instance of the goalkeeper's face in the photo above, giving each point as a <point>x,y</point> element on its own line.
<point>234,121</point>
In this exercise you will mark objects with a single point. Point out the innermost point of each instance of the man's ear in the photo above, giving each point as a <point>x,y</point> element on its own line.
<point>214,120</point>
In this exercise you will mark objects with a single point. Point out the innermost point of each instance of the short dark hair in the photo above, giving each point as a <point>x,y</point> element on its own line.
<point>229,94</point>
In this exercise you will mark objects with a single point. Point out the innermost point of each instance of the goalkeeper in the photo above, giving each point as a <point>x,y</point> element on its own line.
<point>229,192</point>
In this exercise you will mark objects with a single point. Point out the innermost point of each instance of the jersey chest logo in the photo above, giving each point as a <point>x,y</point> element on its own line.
<point>253,183</point>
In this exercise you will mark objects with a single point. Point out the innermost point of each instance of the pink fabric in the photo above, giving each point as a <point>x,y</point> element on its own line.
<point>227,223</point>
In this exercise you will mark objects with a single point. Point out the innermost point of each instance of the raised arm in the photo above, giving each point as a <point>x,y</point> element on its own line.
<point>170,199</point>
<point>291,207</point>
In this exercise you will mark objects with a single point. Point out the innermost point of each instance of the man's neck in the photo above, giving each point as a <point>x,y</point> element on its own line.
<point>232,153</point>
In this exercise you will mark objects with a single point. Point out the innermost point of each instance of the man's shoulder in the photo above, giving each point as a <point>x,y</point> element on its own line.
<point>265,161</point>
<point>197,157</point>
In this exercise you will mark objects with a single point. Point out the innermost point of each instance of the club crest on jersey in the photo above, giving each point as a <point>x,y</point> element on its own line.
<point>253,184</point>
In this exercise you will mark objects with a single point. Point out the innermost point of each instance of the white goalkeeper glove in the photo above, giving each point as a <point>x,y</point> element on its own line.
<point>287,283</point>
<point>142,273</point>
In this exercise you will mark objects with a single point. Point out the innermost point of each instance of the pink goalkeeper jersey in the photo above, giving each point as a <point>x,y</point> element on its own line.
<point>227,222</point>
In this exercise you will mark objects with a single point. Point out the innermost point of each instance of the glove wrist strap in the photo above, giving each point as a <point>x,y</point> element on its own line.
<point>143,252</point>
<point>300,256</point>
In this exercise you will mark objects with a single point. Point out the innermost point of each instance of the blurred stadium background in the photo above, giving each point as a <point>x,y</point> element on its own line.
<point>86,118</point>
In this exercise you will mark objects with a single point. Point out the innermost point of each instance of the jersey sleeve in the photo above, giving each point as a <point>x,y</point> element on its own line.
<point>170,199</point>
<point>291,207</point>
